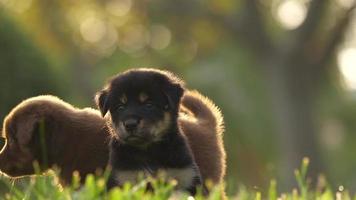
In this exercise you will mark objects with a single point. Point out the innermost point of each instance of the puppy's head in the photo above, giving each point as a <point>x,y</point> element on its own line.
<point>143,104</point>
<point>16,157</point>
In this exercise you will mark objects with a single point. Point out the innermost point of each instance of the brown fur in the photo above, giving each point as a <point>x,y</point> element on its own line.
<point>78,137</point>
<point>203,127</point>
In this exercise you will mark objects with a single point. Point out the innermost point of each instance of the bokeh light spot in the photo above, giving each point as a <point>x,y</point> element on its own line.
<point>133,38</point>
<point>160,37</point>
<point>93,29</point>
<point>119,7</point>
<point>18,6</point>
<point>291,13</point>
<point>345,3</point>
<point>107,44</point>
<point>347,65</point>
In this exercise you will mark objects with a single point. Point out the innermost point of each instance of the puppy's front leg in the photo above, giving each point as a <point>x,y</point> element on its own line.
<point>197,182</point>
<point>112,182</point>
<point>117,178</point>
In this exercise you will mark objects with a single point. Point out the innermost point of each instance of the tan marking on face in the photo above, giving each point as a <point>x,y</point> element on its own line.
<point>123,99</point>
<point>143,97</point>
<point>162,125</point>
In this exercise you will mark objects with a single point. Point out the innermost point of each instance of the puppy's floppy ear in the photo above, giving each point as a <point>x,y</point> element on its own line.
<point>22,130</point>
<point>174,93</point>
<point>102,101</point>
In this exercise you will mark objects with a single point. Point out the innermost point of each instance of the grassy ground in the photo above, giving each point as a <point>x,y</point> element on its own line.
<point>47,187</point>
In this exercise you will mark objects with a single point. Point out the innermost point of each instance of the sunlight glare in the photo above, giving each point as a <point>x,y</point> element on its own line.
<point>93,29</point>
<point>107,45</point>
<point>291,13</point>
<point>18,6</point>
<point>134,38</point>
<point>160,37</point>
<point>347,65</point>
<point>119,7</point>
<point>345,3</point>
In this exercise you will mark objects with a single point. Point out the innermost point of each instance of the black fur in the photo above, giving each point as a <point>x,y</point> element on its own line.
<point>102,102</point>
<point>142,148</point>
<point>133,80</point>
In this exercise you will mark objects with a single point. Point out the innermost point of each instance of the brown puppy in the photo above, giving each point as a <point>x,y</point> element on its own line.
<point>54,133</point>
<point>203,125</point>
<point>67,126</point>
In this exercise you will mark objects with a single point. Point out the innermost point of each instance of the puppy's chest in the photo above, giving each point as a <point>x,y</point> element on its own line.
<point>131,165</point>
<point>183,176</point>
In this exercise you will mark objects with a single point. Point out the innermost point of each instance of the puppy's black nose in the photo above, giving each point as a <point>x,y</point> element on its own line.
<point>131,124</point>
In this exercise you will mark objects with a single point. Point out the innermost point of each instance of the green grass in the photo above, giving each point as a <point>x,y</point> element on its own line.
<point>47,187</point>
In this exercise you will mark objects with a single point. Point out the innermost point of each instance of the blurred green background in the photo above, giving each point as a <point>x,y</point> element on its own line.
<point>282,71</point>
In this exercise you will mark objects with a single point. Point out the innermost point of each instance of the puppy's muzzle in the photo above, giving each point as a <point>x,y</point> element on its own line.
<point>131,124</point>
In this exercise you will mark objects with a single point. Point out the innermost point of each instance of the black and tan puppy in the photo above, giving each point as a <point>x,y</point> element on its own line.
<point>54,133</point>
<point>79,140</point>
<point>146,137</point>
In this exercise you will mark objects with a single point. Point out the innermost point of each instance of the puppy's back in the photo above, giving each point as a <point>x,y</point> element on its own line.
<point>30,111</point>
<point>203,126</point>
<point>76,138</point>
<point>25,115</point>
<point>204,110</point>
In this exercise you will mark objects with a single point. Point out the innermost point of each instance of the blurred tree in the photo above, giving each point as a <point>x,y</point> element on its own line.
<point>25,70</point>
<point>295,66</point>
